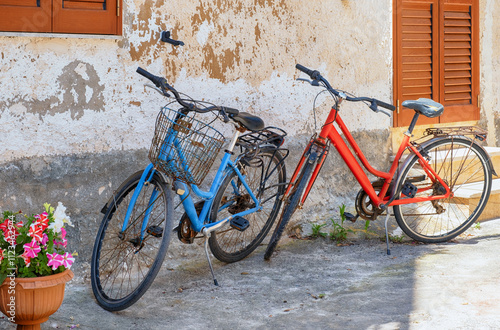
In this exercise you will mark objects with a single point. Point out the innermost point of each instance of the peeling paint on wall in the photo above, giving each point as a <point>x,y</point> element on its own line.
<point>79,90</point>
<point>89,87</point>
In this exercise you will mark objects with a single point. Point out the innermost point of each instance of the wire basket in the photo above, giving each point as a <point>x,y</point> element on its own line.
<point>183,147</point>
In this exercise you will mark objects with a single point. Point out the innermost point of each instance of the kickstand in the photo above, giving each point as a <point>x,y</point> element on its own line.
<point>387,234</point>
<point>210,262</point>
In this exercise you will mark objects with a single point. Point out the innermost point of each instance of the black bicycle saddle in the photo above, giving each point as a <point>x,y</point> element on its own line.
<point>250,122</point>
<point>426,107</point>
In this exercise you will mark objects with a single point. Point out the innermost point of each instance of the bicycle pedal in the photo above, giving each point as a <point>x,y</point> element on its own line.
<point>351,217</point>
<point>409,190</point>
<point>239,223</point>
<point>155,231</point>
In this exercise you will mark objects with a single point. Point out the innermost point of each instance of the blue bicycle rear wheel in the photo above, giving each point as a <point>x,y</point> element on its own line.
<point>266,175</point>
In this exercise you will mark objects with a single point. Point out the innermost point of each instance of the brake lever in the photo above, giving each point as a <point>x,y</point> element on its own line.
<point>224,115</point>
<point>388,114</point>
<point>375,109</point>
<point>159,90</point>
<point>312,82</point>
<point>164,92</point>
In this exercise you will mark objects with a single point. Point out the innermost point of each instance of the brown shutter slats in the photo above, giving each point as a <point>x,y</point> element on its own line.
<point>61,16</point>
<point>84,4</point>
<point>94,17</point>
<point>416,53</point>
<point>457,57</point>
<point>437,56</point>
<point>19,3</point>
<point>25,16</point>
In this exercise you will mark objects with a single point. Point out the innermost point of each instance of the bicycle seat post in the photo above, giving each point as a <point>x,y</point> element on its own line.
<point>409,132</point>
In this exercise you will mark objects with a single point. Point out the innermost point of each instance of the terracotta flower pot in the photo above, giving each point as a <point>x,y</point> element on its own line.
<point>28,302</point>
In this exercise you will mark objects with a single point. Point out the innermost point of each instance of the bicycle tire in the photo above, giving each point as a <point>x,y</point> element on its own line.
<point>229,244</point>
<point>289,208</point>
<point>122,271</point>
<point>463,165</point>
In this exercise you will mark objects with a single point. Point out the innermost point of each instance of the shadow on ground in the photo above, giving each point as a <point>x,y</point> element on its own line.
<point>314,284</point>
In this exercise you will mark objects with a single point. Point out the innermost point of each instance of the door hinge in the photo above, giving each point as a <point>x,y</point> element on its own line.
<point>118,8</point>
<point>397,107</point>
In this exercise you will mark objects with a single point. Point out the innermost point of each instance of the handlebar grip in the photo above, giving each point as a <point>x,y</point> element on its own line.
<point>154,79</point>
<point>311,73</point>
<point>386,105</point>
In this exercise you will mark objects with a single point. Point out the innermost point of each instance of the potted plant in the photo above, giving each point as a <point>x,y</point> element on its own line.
<point>34,266</point>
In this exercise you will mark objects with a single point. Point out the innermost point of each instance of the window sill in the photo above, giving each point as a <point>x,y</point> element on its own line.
<point>60,35</point>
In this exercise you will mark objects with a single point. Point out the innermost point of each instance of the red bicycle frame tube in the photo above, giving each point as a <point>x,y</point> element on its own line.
<point>329,131</point>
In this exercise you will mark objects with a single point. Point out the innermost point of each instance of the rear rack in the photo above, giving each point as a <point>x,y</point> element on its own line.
<point>475,131</point>
<point>269,135</point>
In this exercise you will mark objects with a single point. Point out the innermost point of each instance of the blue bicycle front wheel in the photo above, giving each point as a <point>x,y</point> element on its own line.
<point>124,265</point>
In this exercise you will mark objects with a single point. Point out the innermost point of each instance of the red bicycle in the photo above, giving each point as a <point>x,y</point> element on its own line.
<point>437,189</point>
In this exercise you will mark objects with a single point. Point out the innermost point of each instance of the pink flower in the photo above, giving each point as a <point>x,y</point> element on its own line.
<point>31,249</point>
<point>45,239</point>
<point>64,241</point>
<point>55,260</point>
<point>1,254</point>
<point>67,260</point>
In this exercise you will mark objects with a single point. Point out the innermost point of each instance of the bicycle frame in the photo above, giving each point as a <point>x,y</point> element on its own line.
<point>329,133</point>
<point>198,223</point>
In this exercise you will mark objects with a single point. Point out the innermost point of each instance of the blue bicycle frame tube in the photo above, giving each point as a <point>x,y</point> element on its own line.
<point>198,222</point>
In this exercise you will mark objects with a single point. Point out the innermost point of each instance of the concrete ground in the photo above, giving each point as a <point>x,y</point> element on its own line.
<point>314,284</point>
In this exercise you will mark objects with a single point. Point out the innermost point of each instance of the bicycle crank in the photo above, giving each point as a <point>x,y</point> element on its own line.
<point>365,208</point>
<point>185,233</point>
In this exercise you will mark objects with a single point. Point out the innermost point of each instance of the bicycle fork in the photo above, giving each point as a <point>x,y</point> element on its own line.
<point>315,152</point>
<point>146,177</point>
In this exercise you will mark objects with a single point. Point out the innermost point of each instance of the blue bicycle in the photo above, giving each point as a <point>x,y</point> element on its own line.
<point>233,217</point>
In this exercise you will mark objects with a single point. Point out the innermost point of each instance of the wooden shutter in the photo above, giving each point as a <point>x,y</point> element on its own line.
<point>87,16</point>
<point>416,52</point>
<point>25,15</point>
<point>459,62</point>
<point>436,56</point>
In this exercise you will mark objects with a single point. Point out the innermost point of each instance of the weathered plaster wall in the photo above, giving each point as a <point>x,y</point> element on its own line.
<point>76,119</point>
<point>490,69</point>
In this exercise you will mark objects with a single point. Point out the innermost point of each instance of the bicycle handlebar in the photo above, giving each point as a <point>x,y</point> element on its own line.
<point>154,79</point>
<point>162,84</point>
<point>316,75</point>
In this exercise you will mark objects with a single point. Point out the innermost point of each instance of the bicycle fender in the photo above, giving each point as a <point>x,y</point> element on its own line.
<point>423,145</point>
